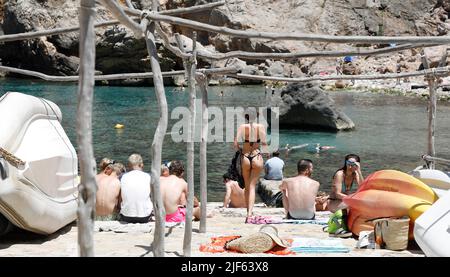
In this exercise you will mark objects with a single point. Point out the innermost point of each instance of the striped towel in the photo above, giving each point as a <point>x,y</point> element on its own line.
<point>315,245</point>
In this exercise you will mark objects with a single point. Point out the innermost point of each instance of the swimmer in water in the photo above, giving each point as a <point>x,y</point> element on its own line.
<point>325,147</point>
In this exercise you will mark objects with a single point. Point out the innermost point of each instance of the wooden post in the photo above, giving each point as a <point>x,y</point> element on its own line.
<point>158,139</point>
<point>431,110</point>
<point>88,186</point>
<point>202,81</point>
<point>192,67</point>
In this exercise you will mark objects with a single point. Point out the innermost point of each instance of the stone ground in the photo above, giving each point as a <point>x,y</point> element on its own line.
<point>135,240</point>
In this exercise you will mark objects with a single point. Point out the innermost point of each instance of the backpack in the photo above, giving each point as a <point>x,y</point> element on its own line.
<point>235,170</point>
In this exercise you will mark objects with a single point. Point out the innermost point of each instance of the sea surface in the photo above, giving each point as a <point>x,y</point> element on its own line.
<point>391,131</point>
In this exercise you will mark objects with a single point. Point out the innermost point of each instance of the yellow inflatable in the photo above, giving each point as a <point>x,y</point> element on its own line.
<point>388,193</point>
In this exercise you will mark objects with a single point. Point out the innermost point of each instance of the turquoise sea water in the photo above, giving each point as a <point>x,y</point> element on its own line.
<point>391,131</point>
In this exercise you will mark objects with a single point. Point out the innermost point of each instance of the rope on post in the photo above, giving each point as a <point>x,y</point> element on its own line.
<point>12,159</point>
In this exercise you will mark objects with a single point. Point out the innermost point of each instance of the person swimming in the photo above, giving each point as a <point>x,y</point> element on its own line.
<point>325,147</point>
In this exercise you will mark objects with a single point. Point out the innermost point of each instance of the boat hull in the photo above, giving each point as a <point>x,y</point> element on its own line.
<point>42,196</point>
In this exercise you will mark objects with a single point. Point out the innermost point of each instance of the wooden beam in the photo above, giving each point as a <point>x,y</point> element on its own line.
<point>202,81</point>
<point>181,11</point>
<point>52,32</point>
<point>297,36</point>
<point>431,79</point>
<point>442,71</point>
<point>298,55</point>
<point>88,186</point>
<point>191,69</point>
<point>157,144</point>
<point>120,76</point>
<point>119,13</point>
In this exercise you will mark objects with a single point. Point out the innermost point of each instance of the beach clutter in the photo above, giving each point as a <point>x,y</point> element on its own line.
<point>432,229</point>
<point>262,241</point>
<point>388,194</point>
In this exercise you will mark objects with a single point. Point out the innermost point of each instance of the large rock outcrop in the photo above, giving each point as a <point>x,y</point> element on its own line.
<point>118,51</point>
<point>306,106</point>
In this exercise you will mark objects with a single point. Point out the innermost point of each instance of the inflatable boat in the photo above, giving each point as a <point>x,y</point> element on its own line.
<point>438,180</point>
<point>388,193</point>
<point>38,166</point>
<point>432,229</point>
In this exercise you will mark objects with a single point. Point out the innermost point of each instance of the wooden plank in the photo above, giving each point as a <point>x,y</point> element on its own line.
<point>157,144</point>
<point>191,68</point>
<point>202,81</point>
<point>297,36</point>
<point>88,186</point>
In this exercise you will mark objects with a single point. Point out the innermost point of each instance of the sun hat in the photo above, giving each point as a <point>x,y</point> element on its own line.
<point>264,240</point>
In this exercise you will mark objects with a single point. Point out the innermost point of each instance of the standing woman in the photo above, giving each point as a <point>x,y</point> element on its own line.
<point>345,180</point>
<point>252,135</point>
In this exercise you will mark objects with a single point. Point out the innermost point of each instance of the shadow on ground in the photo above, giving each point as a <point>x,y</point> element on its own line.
<point>20,236</point>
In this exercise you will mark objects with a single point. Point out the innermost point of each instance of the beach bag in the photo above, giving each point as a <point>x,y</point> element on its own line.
<point>392,233</point>
<point>235,170</point>
<point>337,223</point>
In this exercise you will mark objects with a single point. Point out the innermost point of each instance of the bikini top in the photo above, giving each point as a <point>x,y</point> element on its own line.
<point>251,142</point>
<point>344,187</point>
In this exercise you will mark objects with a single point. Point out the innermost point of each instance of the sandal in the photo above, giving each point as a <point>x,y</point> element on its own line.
<point>341,233</point>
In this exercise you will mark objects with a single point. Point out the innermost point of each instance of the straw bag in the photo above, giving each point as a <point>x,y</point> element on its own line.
<point>392,233</point>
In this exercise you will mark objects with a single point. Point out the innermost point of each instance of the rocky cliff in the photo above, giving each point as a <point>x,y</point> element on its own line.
<point>118,51</point>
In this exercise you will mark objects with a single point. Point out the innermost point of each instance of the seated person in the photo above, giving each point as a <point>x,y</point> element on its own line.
<point>165,170</point>
<point>173,192</point>
<point>234,196</point>
<point>346,180</point>
<point>299,193</point>
<point>274,167</point>
<point>136,206</point>
<point>108,189</point>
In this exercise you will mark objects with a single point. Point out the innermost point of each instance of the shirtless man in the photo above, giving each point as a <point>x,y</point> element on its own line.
<point>108,192</point>
<point>173,192</point>
<point>234,196</point>
<point>299,193</point>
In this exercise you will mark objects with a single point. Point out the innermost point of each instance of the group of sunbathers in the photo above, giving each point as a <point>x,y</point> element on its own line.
<point>126,196</point>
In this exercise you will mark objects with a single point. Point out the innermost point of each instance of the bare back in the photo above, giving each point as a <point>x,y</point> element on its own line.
<point>173,190</point>
<point>300,193</point>
<point>236,195</point>
<point>108,193</point>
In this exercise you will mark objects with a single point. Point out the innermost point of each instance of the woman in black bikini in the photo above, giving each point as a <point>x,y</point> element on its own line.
<point>252,134</point>
<point>344,180</point>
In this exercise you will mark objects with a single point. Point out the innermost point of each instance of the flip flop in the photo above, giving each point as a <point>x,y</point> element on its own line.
<point>341,233</point>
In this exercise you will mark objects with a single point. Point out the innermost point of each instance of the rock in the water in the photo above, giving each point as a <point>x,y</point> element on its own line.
<point>305,106</point>
<point>270,193</point>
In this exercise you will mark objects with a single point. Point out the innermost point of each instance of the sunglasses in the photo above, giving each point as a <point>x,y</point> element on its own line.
<point>350,163</point>
<point>111,162</point>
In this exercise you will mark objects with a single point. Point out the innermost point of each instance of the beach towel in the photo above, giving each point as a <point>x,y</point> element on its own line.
<point>120,227</point>
<point>316,245</point>
<point>217,245</point>
<point>279,220</point>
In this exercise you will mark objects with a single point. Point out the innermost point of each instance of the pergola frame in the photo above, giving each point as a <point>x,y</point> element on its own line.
<point>147,25</point>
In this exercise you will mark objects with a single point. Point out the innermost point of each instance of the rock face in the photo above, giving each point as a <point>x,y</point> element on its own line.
<point>305,106</point>
<point>118,51</point>
<point>52,55</point>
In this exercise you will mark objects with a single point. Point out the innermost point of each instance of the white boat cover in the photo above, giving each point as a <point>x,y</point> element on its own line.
<point>432,229</point>
<point>438,180</point>
<point>41,197</point>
